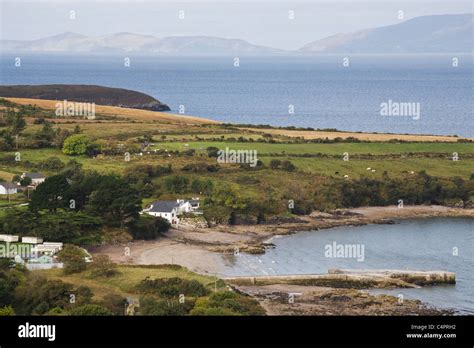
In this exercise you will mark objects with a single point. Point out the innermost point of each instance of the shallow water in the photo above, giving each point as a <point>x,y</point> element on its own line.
<point>428,244</point>
<point>324,94</point>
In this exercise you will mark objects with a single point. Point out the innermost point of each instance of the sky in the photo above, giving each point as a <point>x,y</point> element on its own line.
<point>262,22</point>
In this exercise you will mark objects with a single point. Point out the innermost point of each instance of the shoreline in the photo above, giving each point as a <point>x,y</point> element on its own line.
<point>308,300</point>
<point>203,250</point>
<point>254,239</point>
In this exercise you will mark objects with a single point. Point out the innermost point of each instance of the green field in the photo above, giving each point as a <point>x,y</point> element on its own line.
<point>330,149</point>
<point>128,277</point>
<point>435,158</point>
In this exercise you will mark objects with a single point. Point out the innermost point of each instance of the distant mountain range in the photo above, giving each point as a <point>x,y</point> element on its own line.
<point>129,43</point>
<point>426,34</point>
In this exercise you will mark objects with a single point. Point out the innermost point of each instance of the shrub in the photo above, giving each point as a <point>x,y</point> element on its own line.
<point>151,306</point>
<point>177,184</point>
<point>288,166</point>
<point>189,152</point>
<point>90,310</point>
<point>114,303</point>
<point>148,227</point>
<point>275,163</point>
<point>77,144</point>
<point>200,167</point>
<point>25,181</point>
<point>172,287</point>
<point>202,186</point>
<point>37,295</point>
<point>73,259</point>
<point>103,267</point>
<point>52,164</point>
<point>227,303</point>
<point>212,151</point>
<point>202,310</point>
<point>7,311</point>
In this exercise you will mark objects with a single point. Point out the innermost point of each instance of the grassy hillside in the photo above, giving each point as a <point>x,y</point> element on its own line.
<point>181,142</point>
<point>128,277</point>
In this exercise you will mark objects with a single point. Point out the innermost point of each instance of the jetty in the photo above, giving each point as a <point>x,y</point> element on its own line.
<point>354,279</point>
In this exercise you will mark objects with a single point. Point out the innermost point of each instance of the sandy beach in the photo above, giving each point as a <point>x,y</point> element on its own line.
<point>201,249</point>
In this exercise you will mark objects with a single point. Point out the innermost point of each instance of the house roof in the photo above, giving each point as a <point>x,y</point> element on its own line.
<point>193,201</point>
<point>35,175</point>
<point>163,206</point>
<point>8,185</point>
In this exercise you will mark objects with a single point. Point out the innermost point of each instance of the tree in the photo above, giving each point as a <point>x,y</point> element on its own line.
<point>202,186</point>
<point>10,277</point>
<point>16,121</point>
<point>39,295</point>
<point>25,181</point>
<point>46,133</point>
<point>61,136</point>
<point>114,200</point>
<point>77,144</point>
<point>73,259</point>
<point>177,184</point>
<point>68,227</point>
<point>103,266</point>
<point>17,221</point>
<point>223,204</point>
<point>51,194</point>
<point>149,227</point>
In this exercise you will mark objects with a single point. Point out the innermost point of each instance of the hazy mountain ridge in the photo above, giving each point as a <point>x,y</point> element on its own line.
<point>122,43</point>
<point>426,34</point>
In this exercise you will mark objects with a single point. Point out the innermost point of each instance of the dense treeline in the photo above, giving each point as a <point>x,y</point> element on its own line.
<point>226,203</point>
<point>75,206</point>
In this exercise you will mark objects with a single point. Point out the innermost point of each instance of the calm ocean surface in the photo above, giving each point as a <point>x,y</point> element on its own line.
<point>424,244</point>
<point>323,92</point>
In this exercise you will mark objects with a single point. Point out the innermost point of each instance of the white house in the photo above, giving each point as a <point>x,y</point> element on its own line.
<point>168,210</point>
<point>184,206</point>
<point>7,188</point>
<point>36,178</point>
